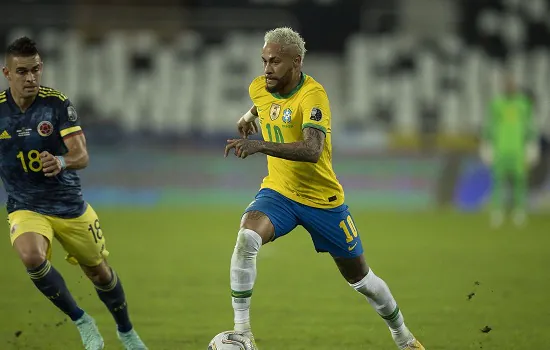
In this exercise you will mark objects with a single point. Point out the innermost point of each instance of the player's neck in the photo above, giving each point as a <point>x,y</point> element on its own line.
<point>22,102</point>
<point>294,82</point>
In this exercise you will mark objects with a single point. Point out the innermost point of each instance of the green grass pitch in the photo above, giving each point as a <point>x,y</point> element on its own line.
<point>174,265</point>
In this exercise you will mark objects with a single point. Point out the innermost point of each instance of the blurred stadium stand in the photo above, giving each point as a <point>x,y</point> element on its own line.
<point>400,76</point>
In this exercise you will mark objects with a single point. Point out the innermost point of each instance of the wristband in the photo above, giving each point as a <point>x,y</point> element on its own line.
<point>248,117</point>
<point>62,162</point>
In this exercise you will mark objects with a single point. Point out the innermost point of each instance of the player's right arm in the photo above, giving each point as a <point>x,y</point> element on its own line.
<point>247,125</point>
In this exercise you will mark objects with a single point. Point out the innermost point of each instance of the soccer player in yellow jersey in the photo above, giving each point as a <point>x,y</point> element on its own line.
<point>301,187</point>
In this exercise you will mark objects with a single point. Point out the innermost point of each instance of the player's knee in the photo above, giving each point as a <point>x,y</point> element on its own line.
<point>100,274</point>
<point>352,269</point>
<point>32,257</point>
<point>260,224</point>
<point>32,249</point>
<point>355,278</point>
<point>248,243</point>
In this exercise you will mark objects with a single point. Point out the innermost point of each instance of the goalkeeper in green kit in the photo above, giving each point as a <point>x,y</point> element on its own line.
<point>510,148</point>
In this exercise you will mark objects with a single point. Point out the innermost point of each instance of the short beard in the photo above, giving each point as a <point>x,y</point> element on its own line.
<point>281,83</point>
<point>272,89</point>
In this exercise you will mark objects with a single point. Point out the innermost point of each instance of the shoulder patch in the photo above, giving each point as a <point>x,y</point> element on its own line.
<point>3,97</point>
<point>71,114</point>
<point>45,92</point>
<point>316,114</point>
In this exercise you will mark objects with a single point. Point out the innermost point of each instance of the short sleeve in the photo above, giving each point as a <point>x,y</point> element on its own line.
<point>316,111</point>
<point>69,123</point>
<point>256,88</point>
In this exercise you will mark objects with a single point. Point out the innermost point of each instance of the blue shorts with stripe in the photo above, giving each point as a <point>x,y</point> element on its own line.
<point>332,230</point>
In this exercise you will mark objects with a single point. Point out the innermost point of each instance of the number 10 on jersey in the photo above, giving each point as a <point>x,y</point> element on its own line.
<point>278,133</point>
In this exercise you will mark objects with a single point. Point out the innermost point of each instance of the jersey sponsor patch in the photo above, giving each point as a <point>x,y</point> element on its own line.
<point>316,114</point>
<point>71,114</point>
<point>45,128</point>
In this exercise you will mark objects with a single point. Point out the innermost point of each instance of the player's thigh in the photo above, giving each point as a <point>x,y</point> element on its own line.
<point>332,231</point>
<point>82,238</point>
<point>271,215</point>
<point>30,233</point>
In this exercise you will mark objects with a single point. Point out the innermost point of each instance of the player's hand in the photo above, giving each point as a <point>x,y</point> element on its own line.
<point>51,166</point>
<point>246,128</point>
<point>243,147</point>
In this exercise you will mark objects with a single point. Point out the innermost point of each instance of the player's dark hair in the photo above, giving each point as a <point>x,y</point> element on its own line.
<point>22,47</point>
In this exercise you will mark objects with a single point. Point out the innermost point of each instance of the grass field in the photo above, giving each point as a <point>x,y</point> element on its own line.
<point>174,265</point>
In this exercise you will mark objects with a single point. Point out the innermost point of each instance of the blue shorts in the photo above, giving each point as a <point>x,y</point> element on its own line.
<point>332,230</point>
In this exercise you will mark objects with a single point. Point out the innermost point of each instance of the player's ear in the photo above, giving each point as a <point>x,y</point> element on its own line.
<point>297,62</point>
<point>6,72</point>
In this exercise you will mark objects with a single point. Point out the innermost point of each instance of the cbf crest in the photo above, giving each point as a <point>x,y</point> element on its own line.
<point>287,115</point>
<point>274,111</point>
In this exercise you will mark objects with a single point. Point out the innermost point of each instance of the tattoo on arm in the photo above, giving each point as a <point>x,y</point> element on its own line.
<point>308,150</point>
<point>315,140</point>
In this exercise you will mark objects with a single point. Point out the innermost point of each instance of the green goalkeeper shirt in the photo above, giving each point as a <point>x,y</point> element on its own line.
<point>510,124</point>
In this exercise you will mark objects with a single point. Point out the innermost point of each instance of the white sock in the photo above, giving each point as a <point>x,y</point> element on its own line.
<point>243,275</point>
<point>379,296</point>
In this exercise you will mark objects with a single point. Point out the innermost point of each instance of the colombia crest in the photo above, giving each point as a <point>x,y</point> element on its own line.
<point>45,128</point>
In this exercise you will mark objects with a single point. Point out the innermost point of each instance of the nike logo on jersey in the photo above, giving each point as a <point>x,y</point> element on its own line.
<point>352,247</point>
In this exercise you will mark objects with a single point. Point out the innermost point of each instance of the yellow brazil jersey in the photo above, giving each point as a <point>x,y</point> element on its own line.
<point>282,119</point>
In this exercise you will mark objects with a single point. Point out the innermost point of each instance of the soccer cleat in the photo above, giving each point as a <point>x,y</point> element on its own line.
<point>413,345</point>
<point>91,338</point>
<point>131,340</point>
<point>405,340</point>
<point>250,336</point>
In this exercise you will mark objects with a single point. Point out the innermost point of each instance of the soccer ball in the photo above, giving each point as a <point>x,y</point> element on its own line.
<point>231,340</point>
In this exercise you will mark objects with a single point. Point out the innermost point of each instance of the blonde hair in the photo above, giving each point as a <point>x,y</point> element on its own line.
<point>285,37</point>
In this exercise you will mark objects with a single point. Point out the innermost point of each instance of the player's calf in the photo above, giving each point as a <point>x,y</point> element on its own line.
<point>243,275</point>
<point>110,291</point>
<point>361,278</point>
<point>32,249</point>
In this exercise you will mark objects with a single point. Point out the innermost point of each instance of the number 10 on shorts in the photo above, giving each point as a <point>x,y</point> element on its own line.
<point>348,226</point>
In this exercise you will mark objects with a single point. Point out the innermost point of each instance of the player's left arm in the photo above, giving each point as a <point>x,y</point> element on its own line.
<point>316,122</point>
<point>76,156</point>
<point>308,150</point>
